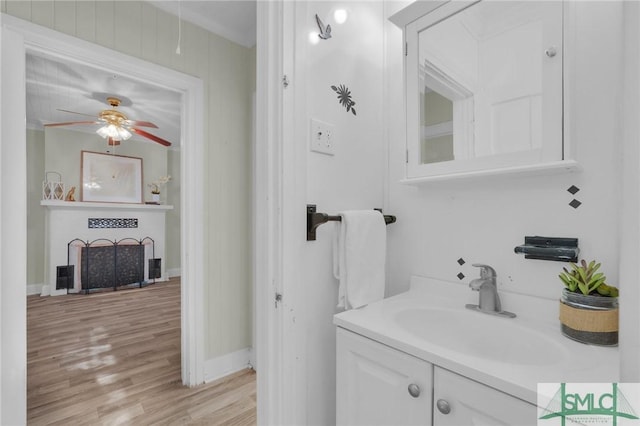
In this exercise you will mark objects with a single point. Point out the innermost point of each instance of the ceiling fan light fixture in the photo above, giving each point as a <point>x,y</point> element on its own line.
<point>116,126</point>
<point>114,132</point>
<point>106,131</point>
<point>123,133</point>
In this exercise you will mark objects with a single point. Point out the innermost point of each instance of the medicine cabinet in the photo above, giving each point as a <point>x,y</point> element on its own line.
<point>484,88</point>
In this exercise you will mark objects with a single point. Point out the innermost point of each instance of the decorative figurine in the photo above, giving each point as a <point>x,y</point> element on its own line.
<point>71,194</point>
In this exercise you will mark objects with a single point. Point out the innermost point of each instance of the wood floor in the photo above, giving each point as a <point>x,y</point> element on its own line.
<point>114,358</point>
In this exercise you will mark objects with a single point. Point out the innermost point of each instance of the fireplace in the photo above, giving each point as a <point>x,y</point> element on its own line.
<point>112,243</point>
<point>110,265</point>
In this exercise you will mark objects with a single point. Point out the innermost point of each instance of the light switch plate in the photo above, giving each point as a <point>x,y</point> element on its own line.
<point>322,137</point>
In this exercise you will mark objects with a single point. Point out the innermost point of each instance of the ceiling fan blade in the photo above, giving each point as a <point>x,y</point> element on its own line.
<point>150,136</point>
<point>73,112</point>
<point>140,123</point>
<point>71,123</point>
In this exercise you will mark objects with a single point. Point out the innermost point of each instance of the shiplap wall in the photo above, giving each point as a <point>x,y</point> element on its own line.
<point>228,72</point>
<point>35,212</point>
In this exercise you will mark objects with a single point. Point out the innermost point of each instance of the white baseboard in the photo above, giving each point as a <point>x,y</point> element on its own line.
<point>252,359</point>
<point>174,272</point>
<point>226,364</point>
<point>34,289</point>
<point>44,290</point>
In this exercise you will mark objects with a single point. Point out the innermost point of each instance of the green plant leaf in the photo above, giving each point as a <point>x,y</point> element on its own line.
<point>584,289</point>
<point>583,276</point>
<point>597,277</point>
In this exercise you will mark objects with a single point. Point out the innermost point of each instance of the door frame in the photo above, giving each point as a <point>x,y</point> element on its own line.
<point>279,221</point>
<point>267,226</point>
<point>19,37</point>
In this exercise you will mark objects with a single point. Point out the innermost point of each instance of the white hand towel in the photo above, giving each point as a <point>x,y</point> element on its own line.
<point>359,257</point>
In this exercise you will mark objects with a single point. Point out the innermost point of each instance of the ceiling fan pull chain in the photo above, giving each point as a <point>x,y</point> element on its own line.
<point>179,26</point>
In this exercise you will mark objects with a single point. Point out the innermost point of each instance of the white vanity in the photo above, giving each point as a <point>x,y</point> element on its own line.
<point>421,358</point>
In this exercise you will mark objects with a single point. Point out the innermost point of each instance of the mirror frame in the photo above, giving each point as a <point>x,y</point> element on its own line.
<point>413,19</point>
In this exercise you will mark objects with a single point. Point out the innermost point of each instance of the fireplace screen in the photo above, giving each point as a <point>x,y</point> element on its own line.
<point>104,264</point>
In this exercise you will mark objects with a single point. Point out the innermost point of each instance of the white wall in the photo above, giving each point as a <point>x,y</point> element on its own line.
<point>63,148</point>
<point>352,179</point>
<point>482,220</point>
<point>140,30</point>
<point>479,220</point>
<point>629,211</point>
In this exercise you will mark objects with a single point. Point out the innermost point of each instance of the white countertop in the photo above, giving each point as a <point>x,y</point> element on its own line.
<point>576,362</point>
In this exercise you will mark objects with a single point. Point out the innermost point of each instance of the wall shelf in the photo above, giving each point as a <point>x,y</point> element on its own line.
<point>54,204</point>
<point>554,167</point>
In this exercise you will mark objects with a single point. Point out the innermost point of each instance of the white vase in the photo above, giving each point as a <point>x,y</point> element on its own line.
<point>155,198</point>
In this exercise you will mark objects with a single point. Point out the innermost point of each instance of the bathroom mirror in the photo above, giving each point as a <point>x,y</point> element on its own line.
<point>484,87</point>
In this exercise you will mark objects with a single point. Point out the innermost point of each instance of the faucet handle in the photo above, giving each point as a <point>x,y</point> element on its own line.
<point>486,271</point>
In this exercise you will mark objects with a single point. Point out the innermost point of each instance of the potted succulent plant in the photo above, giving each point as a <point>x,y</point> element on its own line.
<point>589,306</point>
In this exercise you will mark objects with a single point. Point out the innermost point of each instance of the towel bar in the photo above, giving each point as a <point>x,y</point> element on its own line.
<point>315,219</point>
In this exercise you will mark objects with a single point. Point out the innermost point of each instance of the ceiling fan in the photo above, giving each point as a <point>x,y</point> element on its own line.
<point>115,126</point>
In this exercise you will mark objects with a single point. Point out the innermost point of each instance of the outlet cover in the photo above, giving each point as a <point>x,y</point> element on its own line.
<point>322,137</point>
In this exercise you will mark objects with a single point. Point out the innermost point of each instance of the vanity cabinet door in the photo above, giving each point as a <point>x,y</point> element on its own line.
<point>461,401</point>
<point>378,385</point>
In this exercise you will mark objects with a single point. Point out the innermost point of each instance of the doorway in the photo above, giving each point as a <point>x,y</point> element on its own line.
<point>19,37</point>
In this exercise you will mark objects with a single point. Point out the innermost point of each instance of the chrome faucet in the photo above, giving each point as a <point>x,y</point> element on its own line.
<point>489,300</point>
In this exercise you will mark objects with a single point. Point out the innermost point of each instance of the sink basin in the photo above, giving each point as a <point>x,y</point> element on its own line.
<point>482,335</point>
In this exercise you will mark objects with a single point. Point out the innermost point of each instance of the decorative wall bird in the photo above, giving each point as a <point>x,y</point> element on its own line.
<point>325,32</point>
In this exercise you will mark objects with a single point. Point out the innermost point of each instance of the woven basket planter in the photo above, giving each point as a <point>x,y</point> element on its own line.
<point>589,319</point>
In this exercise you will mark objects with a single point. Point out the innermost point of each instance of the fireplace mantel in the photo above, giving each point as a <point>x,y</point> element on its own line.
<point>54,204</point>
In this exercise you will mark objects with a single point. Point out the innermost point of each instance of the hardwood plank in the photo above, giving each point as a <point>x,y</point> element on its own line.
<point>114,358</point>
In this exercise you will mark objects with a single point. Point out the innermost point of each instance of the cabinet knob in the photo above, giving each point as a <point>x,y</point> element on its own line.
<point>551,52</point>
<point>443,406</point>
<point>414,390</point>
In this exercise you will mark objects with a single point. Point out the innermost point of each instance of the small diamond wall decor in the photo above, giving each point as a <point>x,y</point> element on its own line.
<point>573,189</point>
<point>460,276</point>
<point>461,261</point>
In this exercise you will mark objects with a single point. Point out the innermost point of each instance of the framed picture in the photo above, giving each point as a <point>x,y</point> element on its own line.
<point>111,178</point>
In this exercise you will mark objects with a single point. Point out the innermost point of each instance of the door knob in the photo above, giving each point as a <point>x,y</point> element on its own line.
<point>551,52</point>
<point>414,390</point>
<point>443,406</point>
